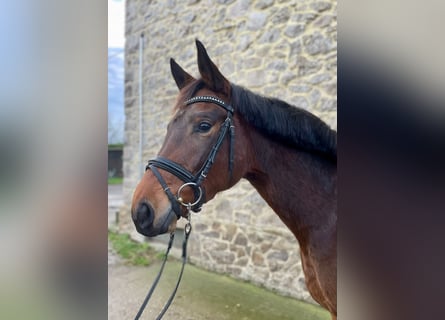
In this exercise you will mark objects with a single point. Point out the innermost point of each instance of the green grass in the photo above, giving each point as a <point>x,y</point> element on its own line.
<point>115,146</point>
<point>140,254</point>
<point>115,180</point>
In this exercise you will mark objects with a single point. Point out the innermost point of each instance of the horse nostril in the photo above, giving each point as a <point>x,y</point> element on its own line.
<point>145,215</point>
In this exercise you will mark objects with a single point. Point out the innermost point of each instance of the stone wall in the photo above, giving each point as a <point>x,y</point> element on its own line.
<point>279,48</point>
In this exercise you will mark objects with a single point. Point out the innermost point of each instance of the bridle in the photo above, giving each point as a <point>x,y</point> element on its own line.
<point>191,180</point>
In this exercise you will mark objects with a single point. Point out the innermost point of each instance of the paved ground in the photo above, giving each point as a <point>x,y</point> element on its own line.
<point>115,201</point>
<point>202,295</point>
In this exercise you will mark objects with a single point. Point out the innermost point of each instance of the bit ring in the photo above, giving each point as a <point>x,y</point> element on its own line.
<point>194,186</point>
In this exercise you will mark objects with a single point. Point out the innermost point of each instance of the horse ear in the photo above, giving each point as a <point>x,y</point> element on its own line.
<point>182,78</point>
<point>212,77</point>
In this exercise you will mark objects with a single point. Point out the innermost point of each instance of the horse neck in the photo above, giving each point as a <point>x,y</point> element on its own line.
<point>300,187</point>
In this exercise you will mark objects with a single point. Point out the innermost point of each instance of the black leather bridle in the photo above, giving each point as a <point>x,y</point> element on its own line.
<point>191,180</point>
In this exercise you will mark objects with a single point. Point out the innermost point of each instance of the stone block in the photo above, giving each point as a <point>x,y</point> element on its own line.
<point>278,255</point>
<point>228,68</point>
<point>129,90</point>
<point>263,4</point>
<point>300,102</point>
<point>286,77</point>
<point>229,232</point>
<point>295,50</point>
<point>256,20</point>
<point>242,218</point>
<point>130,102</point>
<point>316,43</point>
<point>234,271</point>
<point>240,240</point>
<point>211,234</point>
<point>323,21</point>
<point>331,88</point>
<point>213,245</point>
<point>269,36</point>
<point>252,63</point>
<point>238,9</point>
<point>279,65</point>
<point>255,78</point>
<point>131,11</point>
<point>303,17</point>
<point>294,30</point>
<point>265,247</point>
<point>307,66</point>
<point>257,258</point>
<point>224,207</point>
<point>314,97</point>
<point>275,266</point>
<point>321,6</point>
<point>200,227</point>
<point>240,252</point>
<point>273,90</point>
<point>132,43</point>
<point>281,16</point>
<point>244,42</point>
<point>299,88</point>
<point>222,257</point>
<point>242,261</point>
<point>216,226</point>
<point>328,105</point>
<point>319,78</point>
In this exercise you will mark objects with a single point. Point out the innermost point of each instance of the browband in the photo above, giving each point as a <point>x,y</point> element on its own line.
<point>211,99</point>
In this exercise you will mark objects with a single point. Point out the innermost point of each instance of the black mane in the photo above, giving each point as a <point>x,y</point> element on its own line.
<point>292,126</point>
<point>287,124</point>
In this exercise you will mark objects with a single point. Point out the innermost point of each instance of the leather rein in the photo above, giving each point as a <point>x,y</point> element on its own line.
<point>193,181</point>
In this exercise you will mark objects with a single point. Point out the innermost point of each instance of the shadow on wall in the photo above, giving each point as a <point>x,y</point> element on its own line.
<point>115,163</point>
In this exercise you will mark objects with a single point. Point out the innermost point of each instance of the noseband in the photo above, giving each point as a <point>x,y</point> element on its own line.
<point>191,180</point>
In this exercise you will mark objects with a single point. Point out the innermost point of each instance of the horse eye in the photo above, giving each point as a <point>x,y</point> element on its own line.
<point>204,126</point>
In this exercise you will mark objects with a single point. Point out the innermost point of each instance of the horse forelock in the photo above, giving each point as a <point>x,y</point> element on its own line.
<point>188,92</point>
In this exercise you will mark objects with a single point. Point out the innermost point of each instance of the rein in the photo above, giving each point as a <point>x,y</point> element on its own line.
<point>187,231</point>
<point>193,181</point>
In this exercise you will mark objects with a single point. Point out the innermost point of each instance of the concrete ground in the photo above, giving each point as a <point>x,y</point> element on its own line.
<point>201,295</point>
<point>115,201</point>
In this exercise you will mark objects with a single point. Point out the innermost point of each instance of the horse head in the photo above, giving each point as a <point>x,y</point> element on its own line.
<point>199,156</point>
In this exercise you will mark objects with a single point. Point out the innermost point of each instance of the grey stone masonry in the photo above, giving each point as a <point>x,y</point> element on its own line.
<point>284,49</point>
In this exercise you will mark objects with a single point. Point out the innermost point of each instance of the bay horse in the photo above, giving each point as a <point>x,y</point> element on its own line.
<point>288,155</point>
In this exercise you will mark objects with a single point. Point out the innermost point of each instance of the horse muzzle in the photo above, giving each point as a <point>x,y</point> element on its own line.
<point>145,222</point>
